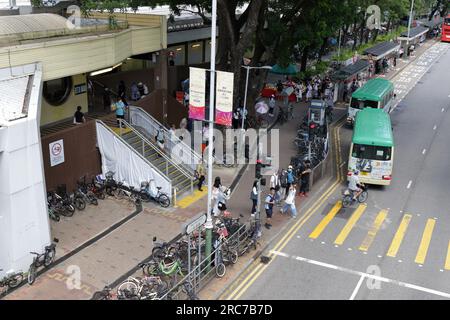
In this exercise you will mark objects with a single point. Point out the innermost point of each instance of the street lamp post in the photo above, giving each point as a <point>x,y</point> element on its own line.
<point>209,224</point>
<point>246,88</point>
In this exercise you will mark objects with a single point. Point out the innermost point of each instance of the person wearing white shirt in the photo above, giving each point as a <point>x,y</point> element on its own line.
<point>289,203</point>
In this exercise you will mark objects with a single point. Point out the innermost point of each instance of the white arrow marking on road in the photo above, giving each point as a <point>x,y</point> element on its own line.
<point>409,184</point>
<point>357,287</point>
<point>367,275</point>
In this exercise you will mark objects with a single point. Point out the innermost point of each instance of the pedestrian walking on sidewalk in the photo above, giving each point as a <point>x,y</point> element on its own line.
<point>309,90</point>
<point>254,196</point>
<point>289,203</point>
<point>120,111</point>
<point>270,201</point>
<point>290,177</point>
<point>201,173</point>
<point>304,178</point>
<point>272,104</point>
<point>275,183</point>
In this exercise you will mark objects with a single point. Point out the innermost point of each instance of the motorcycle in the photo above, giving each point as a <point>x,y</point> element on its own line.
<point>347,199</point>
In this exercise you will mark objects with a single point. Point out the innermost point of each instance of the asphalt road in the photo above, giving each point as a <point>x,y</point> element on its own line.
<point>397,245</point>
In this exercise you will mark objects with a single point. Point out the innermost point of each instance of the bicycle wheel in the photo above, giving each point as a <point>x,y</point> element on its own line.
<point>49,257</point>
<point>163,200</point>
<point>68,210</point>
<point>220,270</point>
<point>363,197</point>
<point>233,255</point>
<point>15,280</point>
<point>128,290</point>
<point>79,204</point>
<point>347,201</point>
<point>31,274</point>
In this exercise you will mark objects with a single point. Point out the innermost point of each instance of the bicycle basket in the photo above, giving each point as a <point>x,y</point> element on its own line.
<point>168,265</point>
<point>109,175</point>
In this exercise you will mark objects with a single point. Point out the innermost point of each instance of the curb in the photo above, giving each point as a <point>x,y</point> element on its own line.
<point>81,247</point>
<point>283,229</point>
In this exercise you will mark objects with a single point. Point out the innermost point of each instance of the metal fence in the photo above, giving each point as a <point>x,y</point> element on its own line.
<point>204,270</point>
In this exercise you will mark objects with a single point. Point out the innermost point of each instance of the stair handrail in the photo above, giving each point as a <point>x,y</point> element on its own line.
<point>136,151</point>
<point>124,123</point>
<point>173,140</point>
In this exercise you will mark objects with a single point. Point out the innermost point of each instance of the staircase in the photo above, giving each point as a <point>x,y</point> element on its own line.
<point>181,180</point>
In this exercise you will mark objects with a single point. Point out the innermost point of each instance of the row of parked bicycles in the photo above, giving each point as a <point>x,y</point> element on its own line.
<point>45,259</point>
<point>61,203</point>
<point>169,272</point>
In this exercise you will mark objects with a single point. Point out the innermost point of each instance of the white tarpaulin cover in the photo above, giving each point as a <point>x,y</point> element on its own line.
<point>126,163</point>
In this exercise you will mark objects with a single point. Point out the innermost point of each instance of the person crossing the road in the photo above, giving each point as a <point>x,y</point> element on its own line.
<point>354,184</point>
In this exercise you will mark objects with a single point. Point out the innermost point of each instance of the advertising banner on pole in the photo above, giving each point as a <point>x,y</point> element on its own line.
<point>197,88</point>
<point>224,98</point>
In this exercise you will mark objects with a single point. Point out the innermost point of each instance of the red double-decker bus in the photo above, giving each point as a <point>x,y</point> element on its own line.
<point>446,29</point>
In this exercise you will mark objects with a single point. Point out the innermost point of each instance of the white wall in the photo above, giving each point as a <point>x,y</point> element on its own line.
<point>24,224</point>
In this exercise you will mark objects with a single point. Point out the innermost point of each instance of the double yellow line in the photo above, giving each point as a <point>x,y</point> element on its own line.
<point>258,267</point>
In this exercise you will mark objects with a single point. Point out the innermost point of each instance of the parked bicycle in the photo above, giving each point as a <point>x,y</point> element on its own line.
<point>147,288</point>
<point>41,259</point>
<point>60,205</point>
<point>85,193</point>
<point>11,280</point>
<point>125,191</point>
<point>148,193</point>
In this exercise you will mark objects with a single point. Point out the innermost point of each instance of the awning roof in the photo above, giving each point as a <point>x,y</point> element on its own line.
<point>382,49</point>
<point>415,32</point>
<point>350,70</point>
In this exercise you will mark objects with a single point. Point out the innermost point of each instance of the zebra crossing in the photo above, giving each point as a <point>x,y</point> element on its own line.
<point>376,229</point>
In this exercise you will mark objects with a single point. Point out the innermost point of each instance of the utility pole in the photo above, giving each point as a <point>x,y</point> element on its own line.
<point>410,22</point>
<point>209,224</point>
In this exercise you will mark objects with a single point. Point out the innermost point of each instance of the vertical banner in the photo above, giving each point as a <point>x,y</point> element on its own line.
<point>197,87</point>
<point>224,98</point>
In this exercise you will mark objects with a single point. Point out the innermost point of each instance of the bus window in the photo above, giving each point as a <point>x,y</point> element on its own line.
<point>362,151</point>
<point>361,104</point>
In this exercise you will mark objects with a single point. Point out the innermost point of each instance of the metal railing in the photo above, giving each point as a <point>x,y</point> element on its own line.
<point>140,155</point>
<point>144,142</point>
<point>205,269</point>
<point>184,154</point>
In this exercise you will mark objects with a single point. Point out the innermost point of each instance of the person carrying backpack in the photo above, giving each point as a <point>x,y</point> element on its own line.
<point>290,179</point>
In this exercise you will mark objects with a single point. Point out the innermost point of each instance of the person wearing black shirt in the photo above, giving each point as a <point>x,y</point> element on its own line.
<point>78,117</point>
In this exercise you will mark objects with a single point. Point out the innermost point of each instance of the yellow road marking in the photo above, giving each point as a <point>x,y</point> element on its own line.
<point>288,236</point>
<point>192,198</point>
<point>447,261</point>
<point>398,238</point>
<point>350,224</point>
<point>373,230</point>
<point>425,242</point>
<point>325,221</point>
<point>279,247</point>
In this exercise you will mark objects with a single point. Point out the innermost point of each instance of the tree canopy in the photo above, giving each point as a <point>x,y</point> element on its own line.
<point>284,31</point>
